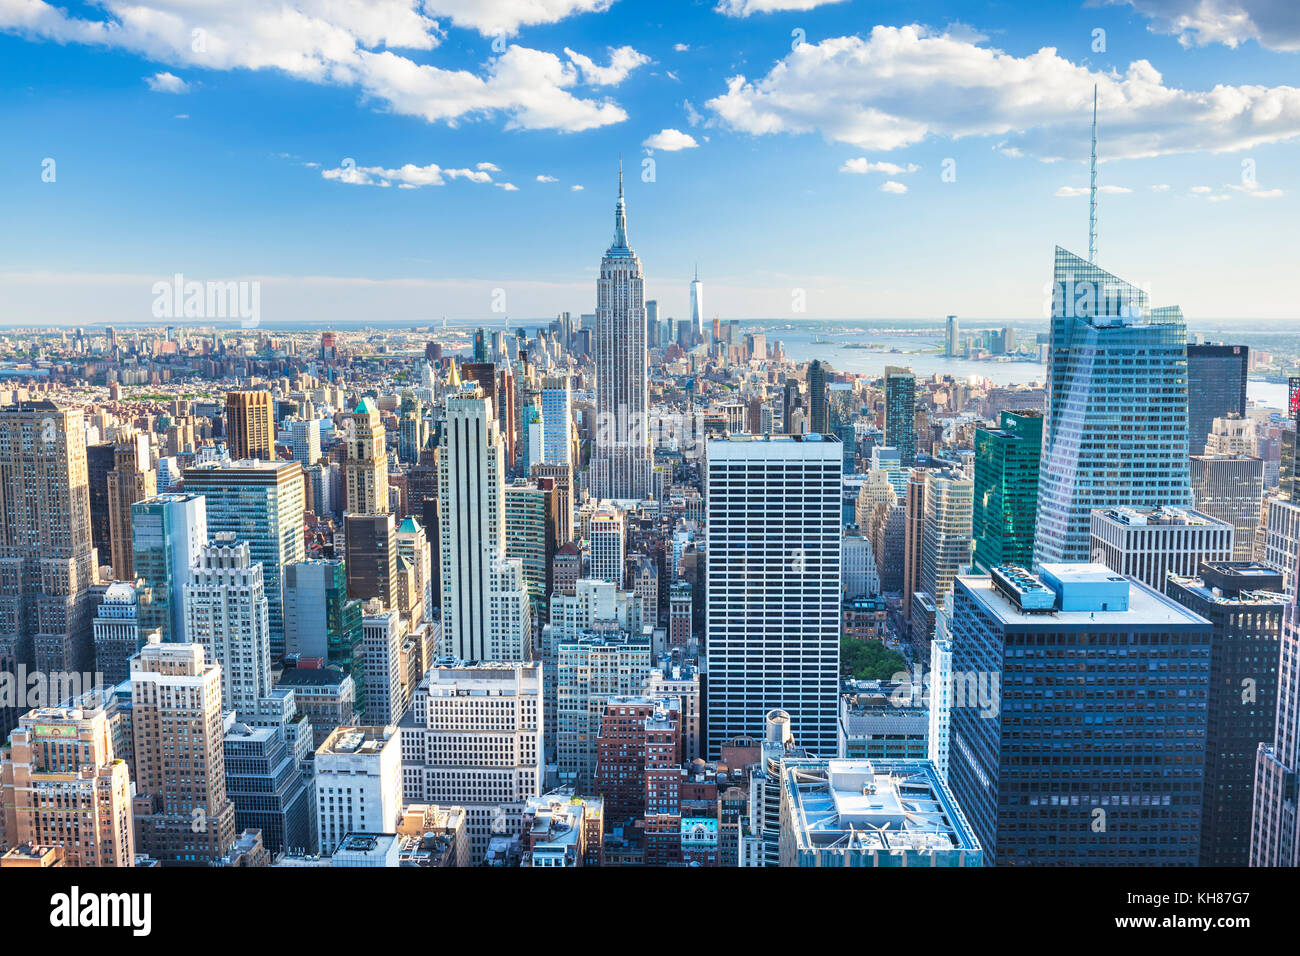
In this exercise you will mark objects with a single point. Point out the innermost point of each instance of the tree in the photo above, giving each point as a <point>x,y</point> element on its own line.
<point>869,660</point>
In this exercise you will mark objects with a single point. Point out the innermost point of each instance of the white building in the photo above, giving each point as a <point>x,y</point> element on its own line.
<point>859,564</point>
<point>473,739</point>
<point>305,436</point>
<point>484,593</point>
<point>226,611</point>
<point>941,689</point>
<point>1148,544</point>
<point>1282,538</point>
<point>358,784</point>
<point>382,634</point>
<point>557,420</point>
<point>606,531</point>
<point>773,585</point>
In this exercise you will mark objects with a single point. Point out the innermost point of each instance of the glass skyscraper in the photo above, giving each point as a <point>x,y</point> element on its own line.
<point>1116,425</point>
<point>1006,489</point>
<point>1216,388</point>
<point>900,413</point>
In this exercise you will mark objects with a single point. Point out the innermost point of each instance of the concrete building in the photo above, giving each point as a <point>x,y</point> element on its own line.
<point>1275,822</point>
<point>117,633</point>
<point>250,432</point>
<point>358,781</point>
<point>133,478</point>
<point>365,472</point>
<point>1152,544</point>
<point>1231,490</point>
<point>589,671</point>
<point>168,535</point>
<point>606,534</point>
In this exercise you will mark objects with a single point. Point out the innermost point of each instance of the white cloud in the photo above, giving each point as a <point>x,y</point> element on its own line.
<point>901,85</point>
<point>409,176</point>
<point>167,83</point>
<point>1071,191</point>
<point>1200,189</point>
<point>508,187</point>
<point>543,178</point>
<point>576,189</point>
<point>621,63</point>
<point>862,165</point>
<point>693,116</point>
<point>352,43</point>
<point>670,140</point>
<point>743,8</point>
<point>681,47</point>
<point>1273,23</point>
<point>488,167</point>
<point>1252,189</point>
<point>893,187</point>
<point>1160,188</point>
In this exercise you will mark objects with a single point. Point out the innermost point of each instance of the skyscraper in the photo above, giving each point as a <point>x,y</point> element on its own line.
<point>263,503</point>
<point>1216,388</point>
<point>1230,489</point>
<point>168,532</point>
<point>250,432</point>
<point>47,561</point>
<point>1115,431</point>
<point>950,340</point>
<point>818,423</point>
<point>1006,490</point>
<point>697,304</point>
<point>1275,823</point>
<point>306,443</point>
<point>606,532</point>
<point>773,586</point>
<point>946,536</point>
<point>117,633</point>
<point>132,478</point>
<point>1150,545</point>
<point>371,558</point>
<point>320,620</point>
<point>482,589</point>
<point>366,468</point>
<point>900,413</point>
<point>226,613</point>
<point>557,420</point>
<point>1108,679</point>
<point>621,465</point>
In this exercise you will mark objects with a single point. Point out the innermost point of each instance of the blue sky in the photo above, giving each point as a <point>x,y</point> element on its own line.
<point>259,148</point>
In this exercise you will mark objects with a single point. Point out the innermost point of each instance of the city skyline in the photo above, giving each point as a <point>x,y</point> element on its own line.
<point>499,119</point>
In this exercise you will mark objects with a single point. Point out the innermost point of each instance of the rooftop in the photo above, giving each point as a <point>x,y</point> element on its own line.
<point>1162,517</point>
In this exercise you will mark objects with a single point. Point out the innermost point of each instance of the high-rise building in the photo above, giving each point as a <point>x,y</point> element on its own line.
<point>383,633</point>
<point>697,305</point>
<point>773,585</point>
<point>557,420</point>
<point>117,633</point>
<point>305,434</point>
<point>531,516</point>
<point>474,740</point>
<point>1275,822</point>
<point>946,536</point>
<point>1230,489</point>
<point>562,476</point>
<point>320,620</point>
<point>267,783</point>
<point>1136,725</point>
<point>1151,545</point>
<point>263,503</point>
<point>1244,604</point>
<point>168,532</point>
<point>913,538</point>
<point>606,533</point>
<point>817,420</point>
<point>371,558</point>
<point>1115,431</point>
<point>951,339</point>
<point>183,815</point>
<point>366,468</point>
<point>63,785</point>
<point>621,464</point>
<point>900,413</point>
<point>226,613</point>
<point>1216,388</point>
<point>250,432</point>
<point>358,778</point>
<point>1281,538</point>
<point>590,670</point>
<point>484,594</point>
<point>47,561</point>
<point>1006,490</point>
<point>133,478</point>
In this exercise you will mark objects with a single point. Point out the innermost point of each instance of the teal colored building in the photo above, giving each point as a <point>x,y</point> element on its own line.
<point>1006,490</point>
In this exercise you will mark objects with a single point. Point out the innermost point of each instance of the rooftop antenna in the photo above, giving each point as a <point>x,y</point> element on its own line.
<point>1092,190</point>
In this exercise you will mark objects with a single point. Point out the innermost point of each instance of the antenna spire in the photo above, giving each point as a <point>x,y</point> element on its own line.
<point>1092,189</point>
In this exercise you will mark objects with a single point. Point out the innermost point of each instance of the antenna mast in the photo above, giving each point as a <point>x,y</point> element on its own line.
<point>1092,191</point>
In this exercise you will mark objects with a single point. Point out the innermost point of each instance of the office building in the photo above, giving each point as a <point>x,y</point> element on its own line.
<point>226,614</point>
<point>1230,489</point>
<point>250,432</point>
<point>62,785</point>
<point>1151,545</point>
<point>871,813</point>
<point>262,503</point>
<point>1115,432</point>
<point>1244,604</point>
<point>621,463</point>
<point>305,435</point>
<point>168,533</point>
<point>366,469</point>
<point>883,720</point>
<point>473,739</point>
<point>817,404</point>
<point>1281,538</point>
<point>117,633</point>
<point>557,420</point>
<point>590,670</point>
<point>358,782</point>
<point>1216,388</point>
<point>383,632</point>
<point>1275,822</point>
<point>268,788</point>
<point>900,413</point>
<point>952,338</point>
<point>532,520</point>
<point>562,477</point>
<point>1107,676</point>
<point>606,536</point>
<point>133,477</point>
<point>697,306</point>
<point>320,620</point>
<point>772,585</point>
<point>946,535</point>
<point>371,559</point>
<point>183,815</point>
<point>1006,490</point>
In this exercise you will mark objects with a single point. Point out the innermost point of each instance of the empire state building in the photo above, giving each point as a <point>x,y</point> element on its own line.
<point>622,466</point>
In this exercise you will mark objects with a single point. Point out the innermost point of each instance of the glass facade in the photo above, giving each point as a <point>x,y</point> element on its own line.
<point>1006,490</point>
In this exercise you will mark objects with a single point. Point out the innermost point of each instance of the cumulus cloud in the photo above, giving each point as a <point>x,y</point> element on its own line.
<point>1273,23</point>
<point>167,83</point>
<point>900,85</point>
<point>862,165</point>
<point>681,47</point>
<point>670,140</point>
<point>508,187</point>
<point>543,178</point>
<point>743,8</point>
<point>576,189</point>
<point>409,176</point>
<point>354,43</point>
<point>1160,188</point>
<point>893,187</point>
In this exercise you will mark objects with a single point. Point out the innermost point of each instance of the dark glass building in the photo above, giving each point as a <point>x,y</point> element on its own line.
<point>900,413</point>
<point>1006,490</point>
<point>1216,387</point>
<point>1245,604</point>
<point>1077,718</point>
<point>817,423</point>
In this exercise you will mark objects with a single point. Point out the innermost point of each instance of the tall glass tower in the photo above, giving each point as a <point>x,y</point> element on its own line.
<point>1116,425</point>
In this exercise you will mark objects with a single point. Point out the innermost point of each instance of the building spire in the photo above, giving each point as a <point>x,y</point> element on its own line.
<point>620,213</point>
<point>1092,190</point>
